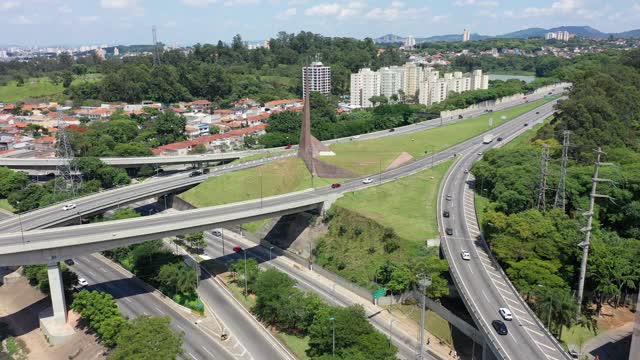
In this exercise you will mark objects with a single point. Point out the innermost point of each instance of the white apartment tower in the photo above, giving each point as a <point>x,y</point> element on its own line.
<point>391,80</point>
<point>409,42</point>
<point>316,77</point>
<point>413,76</point>
<point>465,35</point>
<point>364,85</point>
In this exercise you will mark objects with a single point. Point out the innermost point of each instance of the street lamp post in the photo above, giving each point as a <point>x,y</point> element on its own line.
<point>246,291</point>
<point>423,281</point>
<point>333,322</point>
<point>390,330</point>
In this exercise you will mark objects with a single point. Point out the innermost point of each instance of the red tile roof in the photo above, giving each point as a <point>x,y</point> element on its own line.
<point>282,102</point>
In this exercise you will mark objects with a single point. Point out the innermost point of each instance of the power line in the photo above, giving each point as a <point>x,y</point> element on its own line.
<point>587,229</point>
<point>560,200</point>
<point>542,188</point>
<point>66,169</point>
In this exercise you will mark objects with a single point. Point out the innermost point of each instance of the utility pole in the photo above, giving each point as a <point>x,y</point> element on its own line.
<point>587,229</point>
<point>423,281</point>
<point>68,178</point>
<point>542,189</point>
<point>560,200</point>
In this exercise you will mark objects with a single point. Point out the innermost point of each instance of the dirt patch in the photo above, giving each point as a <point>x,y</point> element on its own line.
<point>20,304</point>
<point>611,318</point>
<point>401,159</point>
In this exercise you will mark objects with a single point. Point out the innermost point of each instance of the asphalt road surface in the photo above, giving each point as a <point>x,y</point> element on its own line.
<point>484,286</point>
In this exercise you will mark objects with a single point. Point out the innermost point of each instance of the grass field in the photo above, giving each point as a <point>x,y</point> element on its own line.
<point>408,205</point>
<point>4,204</point>
<point>576,335</point>
<point>38,88</point>
<point>527,137</point>
<point>368,156</point>
<point>275,178</point>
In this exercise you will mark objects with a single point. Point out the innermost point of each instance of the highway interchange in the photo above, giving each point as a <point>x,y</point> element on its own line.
<point>29,221</point>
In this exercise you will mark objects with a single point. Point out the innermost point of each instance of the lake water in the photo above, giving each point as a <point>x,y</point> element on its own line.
<point>524,78</point>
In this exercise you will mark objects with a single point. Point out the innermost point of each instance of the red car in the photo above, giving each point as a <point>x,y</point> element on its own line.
<point>335,185</point>
<point>237,249</point>
<point>288,147</point>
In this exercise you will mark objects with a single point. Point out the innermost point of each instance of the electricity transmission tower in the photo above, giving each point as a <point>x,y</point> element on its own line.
<point>156,48</point>
<point>587,229</point>
<point>65,182</point>
<point>542,189</point>
<point>561,200</point>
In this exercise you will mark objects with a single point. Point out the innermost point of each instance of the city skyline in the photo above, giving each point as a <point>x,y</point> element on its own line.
<point>185,22</point>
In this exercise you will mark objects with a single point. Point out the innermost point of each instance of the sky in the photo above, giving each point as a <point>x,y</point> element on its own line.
<point>185,22</point>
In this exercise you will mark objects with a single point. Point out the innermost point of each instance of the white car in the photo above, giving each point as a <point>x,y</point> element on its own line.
<point>367,181</point>
<point>465,255</point>
<point>506,314</point>
<point>82,282</point>
<point>355,137</point>
<point>217,232</point>
<point>69,206</point>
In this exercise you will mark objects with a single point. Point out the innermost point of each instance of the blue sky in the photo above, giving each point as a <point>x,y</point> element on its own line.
<point>72,22</point>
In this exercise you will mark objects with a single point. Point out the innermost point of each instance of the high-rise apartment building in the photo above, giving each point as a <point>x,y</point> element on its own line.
<point>316,77</point>
<point>465,35</point>
<point>409,42</point>
<point>413,76</point>
<point>558,35</point>
<point>427,83</point>
<point>391,80</point>
<point>364,85</point>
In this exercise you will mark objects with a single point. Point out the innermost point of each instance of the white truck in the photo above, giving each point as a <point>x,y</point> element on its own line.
<point>487,139</point>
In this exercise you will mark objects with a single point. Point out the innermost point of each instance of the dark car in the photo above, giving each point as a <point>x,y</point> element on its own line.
<point>237,249</point>
<point>335,185</point>
<point>392,130</point>
<point>460,117</point>
<point>526,124</point>
<point>206,171</point>
<point>449,231</point>
<point>499,139</point>
<point>69,262</point>
<point>445,213</point>
<point>195,173</point>
<point>537,112</point>
<point>490,110</point>
<point>500,327</point>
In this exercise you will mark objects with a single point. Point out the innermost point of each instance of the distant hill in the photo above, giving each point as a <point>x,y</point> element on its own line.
<point>584,31</point>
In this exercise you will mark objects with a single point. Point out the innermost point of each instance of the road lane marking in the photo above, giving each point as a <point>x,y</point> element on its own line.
<point>469,265</point>
<point>509,299</point>
<point>208,352</point>
<point>180,327</point>
<point>526,320</point>
<point>545,345</point>
<point>513,337</point>
<point>194,358</point>
<point>519,310</point>
<point>160,310</point>
<point>534,331</point>
<point>485,295</point>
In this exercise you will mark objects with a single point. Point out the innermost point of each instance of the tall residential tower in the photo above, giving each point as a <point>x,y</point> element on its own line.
<point>316,77</point>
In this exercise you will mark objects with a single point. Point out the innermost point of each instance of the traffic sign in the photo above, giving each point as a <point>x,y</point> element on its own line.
<point>379,293</point>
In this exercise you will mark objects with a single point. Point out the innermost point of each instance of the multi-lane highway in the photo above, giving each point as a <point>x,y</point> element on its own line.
<point>134,300</point>
<point>481,281</point>
<point>41,245</point>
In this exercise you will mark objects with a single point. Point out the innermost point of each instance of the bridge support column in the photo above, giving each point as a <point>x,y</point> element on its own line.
<point>53,321</point>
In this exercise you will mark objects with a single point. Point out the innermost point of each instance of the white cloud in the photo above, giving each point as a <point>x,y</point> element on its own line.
<point>22,20</point>
<point>397,4</point>
<point>396,12</point>
<point>199,3</point>
<point>297,2</point>
<point>287,14</point>
<point>464,2</point>
<point>636,7</point>
<point>170,24</point>
<point>8,5</point>
<point>440,18</point>
<point>88,19</point>
<point>488,3</point>
<point>241,2</point>
<point>564,7</point>
<point>118,4</point>
<point>339,10</point>
<point>65,9</point>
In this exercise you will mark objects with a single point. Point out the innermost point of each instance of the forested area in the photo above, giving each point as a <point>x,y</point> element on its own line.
<point>280,304</point>
<point>538,246</point>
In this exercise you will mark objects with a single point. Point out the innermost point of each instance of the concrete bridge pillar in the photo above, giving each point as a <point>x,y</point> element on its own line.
<point>53,321</point>
<point>56,288</point>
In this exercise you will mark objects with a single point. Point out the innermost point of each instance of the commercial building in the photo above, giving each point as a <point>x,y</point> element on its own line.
<point>316,77</point>
<point>364,85</point>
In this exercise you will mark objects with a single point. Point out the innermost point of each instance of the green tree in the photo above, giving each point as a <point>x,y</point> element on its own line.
<point>67,79</point>
<point>196,240</point>
<point>148,338</point>
<point>170,127</point>
<point>252,271</point>
<point>11,181</point>
<point>177,278</point>
<point>100,311</point>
